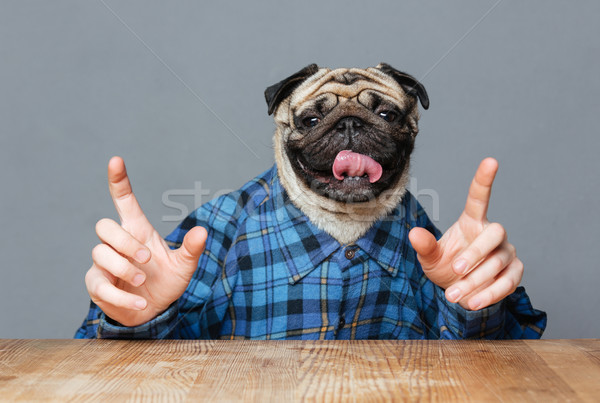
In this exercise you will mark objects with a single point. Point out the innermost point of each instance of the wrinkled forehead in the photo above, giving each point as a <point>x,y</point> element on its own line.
<point>347,84</point>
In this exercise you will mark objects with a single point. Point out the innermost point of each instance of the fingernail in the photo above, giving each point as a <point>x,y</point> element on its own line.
<point>460,266</point>
<point>140,304</point>
<point>475,303</point>
<point>142,255</point>
<point>138,280</point>
<point>454,294</point>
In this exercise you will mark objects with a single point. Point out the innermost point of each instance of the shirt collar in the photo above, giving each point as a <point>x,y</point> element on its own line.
<point>387,240</point>
<point>305,246</point>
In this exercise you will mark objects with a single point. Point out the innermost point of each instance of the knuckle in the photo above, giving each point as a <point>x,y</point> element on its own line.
<point>98,251</point>
<point>122,244</point>
<point>498,230</point>
<point>474,254</point>
<point>130,245</point>
<point>126,244</point>
<point>519,269</point>
<point>102,224</point>
<point>497,263</point>
<point>519,265</point>
<point>98,290</point>
<point>469,285</point>
<point>121,268</point>
<point>490,296</point>
<point>511,249</point>
<point>89,279</point>
<point>510,284</point>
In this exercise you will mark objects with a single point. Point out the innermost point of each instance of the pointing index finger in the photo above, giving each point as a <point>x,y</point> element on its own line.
<point>122,195</point>
<point>480,190</point>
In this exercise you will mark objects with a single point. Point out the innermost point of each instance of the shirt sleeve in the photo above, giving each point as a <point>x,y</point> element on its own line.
<point>183,319</point>
<point>512,318</point>
<point>98,326</point>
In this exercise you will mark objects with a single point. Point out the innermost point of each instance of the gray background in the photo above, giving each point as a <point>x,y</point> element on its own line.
<point>79,84</point>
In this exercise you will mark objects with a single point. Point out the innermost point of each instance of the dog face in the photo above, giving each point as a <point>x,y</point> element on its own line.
<point>345,135</point>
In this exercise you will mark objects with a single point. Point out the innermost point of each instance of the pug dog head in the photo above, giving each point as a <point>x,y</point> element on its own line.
<point>343,142</point>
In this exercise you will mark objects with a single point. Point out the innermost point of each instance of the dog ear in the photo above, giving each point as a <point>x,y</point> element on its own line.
<point>410,84</point>
<point>280,91</point>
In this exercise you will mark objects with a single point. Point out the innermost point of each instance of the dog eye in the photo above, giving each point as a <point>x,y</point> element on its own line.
<point>388,116</point>
<point>310,121</point>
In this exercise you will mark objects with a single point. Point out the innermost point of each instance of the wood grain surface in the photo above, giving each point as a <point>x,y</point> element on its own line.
<point>284,371</point>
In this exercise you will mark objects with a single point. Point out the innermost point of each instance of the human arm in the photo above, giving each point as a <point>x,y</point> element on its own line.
<point>473,261</point>
<point>135,276</point>
<point>493,273</point>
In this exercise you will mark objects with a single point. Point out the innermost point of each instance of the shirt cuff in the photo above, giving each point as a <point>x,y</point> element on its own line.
<point>161,327</point>
<point>457,322</point>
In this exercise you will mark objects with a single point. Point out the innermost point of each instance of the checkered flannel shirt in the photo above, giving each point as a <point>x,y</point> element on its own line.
<point>268,273</point>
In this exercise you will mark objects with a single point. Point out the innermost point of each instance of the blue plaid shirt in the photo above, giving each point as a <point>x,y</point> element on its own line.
<point>269,273</point>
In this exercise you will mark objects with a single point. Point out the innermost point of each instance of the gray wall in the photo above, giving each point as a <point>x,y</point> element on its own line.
<point>79,84</point>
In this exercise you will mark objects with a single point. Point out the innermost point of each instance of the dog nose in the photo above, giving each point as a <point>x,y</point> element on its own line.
<point>349,124</point>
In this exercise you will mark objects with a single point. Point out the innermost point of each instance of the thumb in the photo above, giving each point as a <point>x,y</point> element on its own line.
<point>426,246</point>
<point>191,248</point>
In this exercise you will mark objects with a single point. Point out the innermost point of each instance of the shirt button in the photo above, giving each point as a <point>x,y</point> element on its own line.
<point>341,324</point>
<point>349,254</point>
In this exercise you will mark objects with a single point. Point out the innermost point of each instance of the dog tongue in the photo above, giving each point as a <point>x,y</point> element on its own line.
<point>355,164</point>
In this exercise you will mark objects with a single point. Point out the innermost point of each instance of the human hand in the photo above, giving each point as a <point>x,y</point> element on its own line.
<point>135,276</point>
<point>473,260</point>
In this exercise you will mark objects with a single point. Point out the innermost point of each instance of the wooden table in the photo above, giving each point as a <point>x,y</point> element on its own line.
<point>283,371</point>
